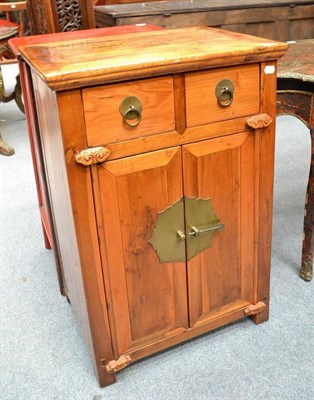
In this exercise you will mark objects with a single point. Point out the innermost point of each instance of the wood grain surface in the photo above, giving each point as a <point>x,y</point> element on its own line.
<point>92,61</point>
<point>147,299</point>
<point>215,170</point>
<point>201,103</point>
<point>104,123</point>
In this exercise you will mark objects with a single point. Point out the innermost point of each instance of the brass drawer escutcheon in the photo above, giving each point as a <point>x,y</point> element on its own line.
<point>131,110</point>
<point>224,92</point>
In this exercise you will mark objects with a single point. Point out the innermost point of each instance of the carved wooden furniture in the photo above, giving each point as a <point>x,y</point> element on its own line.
<point>49,16</point>
<point>277,20</point>
<point>159,165</point>
<point>295,95</point>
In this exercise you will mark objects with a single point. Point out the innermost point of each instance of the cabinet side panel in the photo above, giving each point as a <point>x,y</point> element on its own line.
<point>266,146</point>
<point>80,183</point>
<point>57,186</point>
<point>72,241</point>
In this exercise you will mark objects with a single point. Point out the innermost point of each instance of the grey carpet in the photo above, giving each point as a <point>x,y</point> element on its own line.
<point>43,355</point>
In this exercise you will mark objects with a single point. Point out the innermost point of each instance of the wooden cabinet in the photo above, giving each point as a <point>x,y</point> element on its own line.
<point>159,162</point>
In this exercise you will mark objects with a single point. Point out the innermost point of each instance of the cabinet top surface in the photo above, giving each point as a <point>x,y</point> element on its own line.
<point>90,61</point>
<point>176,7</point>
<point>298,63</point>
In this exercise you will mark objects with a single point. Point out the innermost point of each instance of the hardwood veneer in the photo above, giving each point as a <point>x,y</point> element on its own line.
<point>128,301</point>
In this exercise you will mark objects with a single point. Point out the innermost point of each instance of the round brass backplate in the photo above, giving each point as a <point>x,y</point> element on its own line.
<point>131,110</point>
<point>224,92</point>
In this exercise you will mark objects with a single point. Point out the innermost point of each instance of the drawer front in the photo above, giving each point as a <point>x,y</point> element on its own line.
<point>202,104</point>
<point>105,123</point>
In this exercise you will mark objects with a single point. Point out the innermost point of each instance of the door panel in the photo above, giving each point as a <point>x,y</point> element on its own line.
<point>147,299</point>
<point>221,170</point>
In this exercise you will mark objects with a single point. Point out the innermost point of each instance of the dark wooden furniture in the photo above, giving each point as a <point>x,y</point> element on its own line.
<point>50,16</point>
<point>50,238</point>
<point>159,170</point>
<point>295,95</point>
<point>277,20</point>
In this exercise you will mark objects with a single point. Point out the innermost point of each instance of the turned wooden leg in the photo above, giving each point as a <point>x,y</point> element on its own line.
<point>18,94</point>
<point>306,271</point>
<point>5,149</point>
<point>15,95</point>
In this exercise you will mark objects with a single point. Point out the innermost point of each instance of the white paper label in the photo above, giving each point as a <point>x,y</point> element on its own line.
<point>269,69</point>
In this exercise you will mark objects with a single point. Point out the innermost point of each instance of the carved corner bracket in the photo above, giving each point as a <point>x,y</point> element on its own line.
<point>116,365</point>
<point>94,155</point>
<point>254,309</point>
<point>259,121</point>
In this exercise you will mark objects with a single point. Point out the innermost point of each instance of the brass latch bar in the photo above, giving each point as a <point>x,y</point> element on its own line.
<point>197,232</point>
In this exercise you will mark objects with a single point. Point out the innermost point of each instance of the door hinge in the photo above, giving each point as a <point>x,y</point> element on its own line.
<point>116,365</point>
<point>259,121</point>
<point>255,308</point>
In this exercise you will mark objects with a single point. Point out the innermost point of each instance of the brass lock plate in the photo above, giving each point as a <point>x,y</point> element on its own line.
<point>165,241</point>
<point>199,214</point>
<point>184,229</point>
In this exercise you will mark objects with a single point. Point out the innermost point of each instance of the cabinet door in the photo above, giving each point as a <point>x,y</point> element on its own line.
<point>147,299</point>
<point>220,278</point>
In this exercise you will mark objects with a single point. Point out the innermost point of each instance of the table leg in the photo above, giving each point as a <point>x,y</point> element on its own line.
<point>306,271</point>
<point>5,149</point>
<point>301,105</point>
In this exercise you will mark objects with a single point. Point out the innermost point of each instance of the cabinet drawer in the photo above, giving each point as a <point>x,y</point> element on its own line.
<point>202,105</point>
<point>104,122</point>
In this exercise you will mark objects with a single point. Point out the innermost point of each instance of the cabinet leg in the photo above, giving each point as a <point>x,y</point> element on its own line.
<point>106,379</point>
<point>261,317</point>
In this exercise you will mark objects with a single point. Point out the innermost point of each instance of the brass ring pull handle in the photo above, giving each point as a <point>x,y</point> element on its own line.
<point>197,232</point>
<point>224,92</point>
<point>131,110</point>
